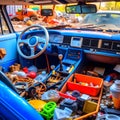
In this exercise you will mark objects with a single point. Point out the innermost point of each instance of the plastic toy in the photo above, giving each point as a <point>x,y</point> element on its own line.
<point>48,110</point>
<point>37,104</point>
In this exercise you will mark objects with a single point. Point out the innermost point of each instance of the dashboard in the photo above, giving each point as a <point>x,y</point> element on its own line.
<point>89,41</point>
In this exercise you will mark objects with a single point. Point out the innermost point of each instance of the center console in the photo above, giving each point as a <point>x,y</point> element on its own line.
<point>67,65</point>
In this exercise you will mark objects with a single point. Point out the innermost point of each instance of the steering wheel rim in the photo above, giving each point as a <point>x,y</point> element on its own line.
<point>32,42</point>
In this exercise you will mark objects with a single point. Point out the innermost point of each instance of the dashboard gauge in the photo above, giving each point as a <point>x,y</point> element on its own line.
<point>54,38</point>
<point>76,42</point>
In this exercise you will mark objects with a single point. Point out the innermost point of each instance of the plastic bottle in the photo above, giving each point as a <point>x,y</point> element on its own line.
<point>115,90</point>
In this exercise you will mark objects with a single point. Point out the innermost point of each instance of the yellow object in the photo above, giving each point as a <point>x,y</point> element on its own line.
<point>29,22</point>
<point>71,69</point>
<point>89,106</point>
<point>37,104</point>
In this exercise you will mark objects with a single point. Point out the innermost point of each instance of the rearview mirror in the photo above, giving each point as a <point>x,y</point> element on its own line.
<point>47,12</point>
<point>81,9</point>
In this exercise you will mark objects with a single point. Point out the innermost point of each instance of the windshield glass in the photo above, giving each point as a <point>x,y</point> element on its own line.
<point>23,16</point>
<point>112,18</point>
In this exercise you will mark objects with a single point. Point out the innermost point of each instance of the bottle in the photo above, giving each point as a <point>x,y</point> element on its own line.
<point>115,90</point>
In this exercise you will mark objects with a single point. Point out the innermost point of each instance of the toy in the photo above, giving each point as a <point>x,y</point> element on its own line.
<point>48,110</point>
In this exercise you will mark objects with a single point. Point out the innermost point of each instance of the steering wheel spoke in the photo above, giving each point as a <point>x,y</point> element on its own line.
<point>33,43</point>
<point>41,40</point>
<point>25,41</point>
<point>32,51</point>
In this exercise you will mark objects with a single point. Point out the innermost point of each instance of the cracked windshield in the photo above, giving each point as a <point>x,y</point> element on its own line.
<point>23,16</point>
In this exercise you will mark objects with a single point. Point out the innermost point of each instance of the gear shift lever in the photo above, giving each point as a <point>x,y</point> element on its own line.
<point>60,57</point>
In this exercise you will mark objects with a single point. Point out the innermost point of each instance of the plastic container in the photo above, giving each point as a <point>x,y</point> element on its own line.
<point>115,90</point>
<point>89,112</point>
<point>74,81</point>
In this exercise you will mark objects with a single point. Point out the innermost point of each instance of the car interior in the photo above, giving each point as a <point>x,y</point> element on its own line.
<point>59,69</point>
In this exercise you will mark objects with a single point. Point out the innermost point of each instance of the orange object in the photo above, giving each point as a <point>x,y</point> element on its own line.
<point>21,14</point>
<point>90,90</point>
<point>2,53</point>
<point>116,102</point>
<point>115,90</point>
<point>65,88</point>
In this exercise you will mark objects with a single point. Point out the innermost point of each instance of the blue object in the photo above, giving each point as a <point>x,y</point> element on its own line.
<point>108,78</point>
<point>13,107</point>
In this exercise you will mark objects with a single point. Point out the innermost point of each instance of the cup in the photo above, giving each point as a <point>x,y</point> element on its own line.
<point>115,90</point>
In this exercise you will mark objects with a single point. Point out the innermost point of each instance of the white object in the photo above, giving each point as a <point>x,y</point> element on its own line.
<point>117,68</point>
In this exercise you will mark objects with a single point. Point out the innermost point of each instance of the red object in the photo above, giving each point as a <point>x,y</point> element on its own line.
<point>53,21</point>
<point>110,96</point>
<point>25,69</point>
<point>90,90</point>
<point>113,75</point>
<point>66,96</point>
<point>31,74</point>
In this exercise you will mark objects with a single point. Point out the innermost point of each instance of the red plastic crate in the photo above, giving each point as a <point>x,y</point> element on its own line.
<point>73,84</point>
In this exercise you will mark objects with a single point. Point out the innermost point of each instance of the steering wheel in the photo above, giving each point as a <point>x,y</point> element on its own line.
<point>33,43</point>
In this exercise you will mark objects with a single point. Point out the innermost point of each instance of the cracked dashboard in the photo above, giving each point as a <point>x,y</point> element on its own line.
<point>95,43</point>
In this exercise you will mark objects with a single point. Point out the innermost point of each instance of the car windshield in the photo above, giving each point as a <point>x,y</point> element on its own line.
<point>24,16</point>
<point>105,19</point>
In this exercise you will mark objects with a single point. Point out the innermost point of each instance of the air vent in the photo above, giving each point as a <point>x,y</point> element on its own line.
<point>94,43</point>
<point>90,42</point>
<point>106,44</point>
<point>116,46</point>
<point>86,42</point>
<point>67,40</point>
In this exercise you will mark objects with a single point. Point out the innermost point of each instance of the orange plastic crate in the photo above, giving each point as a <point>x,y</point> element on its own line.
<point>73,84</point>
<point>85,78</point>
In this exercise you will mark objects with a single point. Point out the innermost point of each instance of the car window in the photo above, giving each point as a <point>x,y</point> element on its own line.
<point>23,16</point>
<point>103,18</point>
<point>3,26</point>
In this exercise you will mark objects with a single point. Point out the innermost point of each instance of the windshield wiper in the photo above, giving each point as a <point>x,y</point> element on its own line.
<point>60,26</point>
<point>101,27</point>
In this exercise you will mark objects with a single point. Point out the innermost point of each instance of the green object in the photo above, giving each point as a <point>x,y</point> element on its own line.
<point>48,110</point>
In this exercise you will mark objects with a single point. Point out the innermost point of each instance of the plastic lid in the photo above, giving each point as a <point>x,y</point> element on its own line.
<point>116,86</point>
